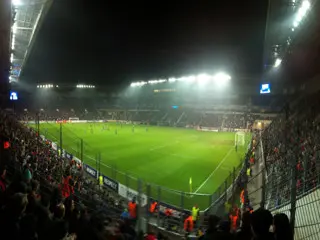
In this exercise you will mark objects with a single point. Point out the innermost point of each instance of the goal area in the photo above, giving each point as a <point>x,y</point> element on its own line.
<point>240,139</point>
<point>73,119</point>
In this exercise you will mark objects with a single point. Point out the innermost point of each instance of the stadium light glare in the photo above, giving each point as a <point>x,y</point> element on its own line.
<point>138,84</point>
<point>277,62</point>
<point>83,86</point>
<point>152,81</point>
<point>190,79</point>
<point>203,78</point>
<point>305,6</point>
<point>172,79</point>
<point>16,2</point>
<point>46,86</point>
<point>221,77</point>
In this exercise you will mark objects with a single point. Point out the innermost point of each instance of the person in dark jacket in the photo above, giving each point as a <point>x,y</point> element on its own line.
<point>224,231</point>
<point>281,227</point>
<point>244,232</point>
<point>213,222</point>
<point>261,221</point>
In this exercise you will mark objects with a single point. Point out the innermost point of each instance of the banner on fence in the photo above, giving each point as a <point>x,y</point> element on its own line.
<point>108,182</point>
<point>91,171</point>
<point>68,155</point>
<point>129,194</point>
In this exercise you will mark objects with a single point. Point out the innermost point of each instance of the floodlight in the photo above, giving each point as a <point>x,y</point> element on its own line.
<point>306,5</point>
<point>301,12</point>
<point>16,2</point>
<point>152,81</point>
<point>172,79</point>
<point>203,78</point>
<point>277,62</point>
<point>221,77</point>
<point>190,79</point>
<point>38,86</point>
<point>138,84</point>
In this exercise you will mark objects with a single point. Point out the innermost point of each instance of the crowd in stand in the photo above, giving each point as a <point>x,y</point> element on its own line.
<point>292,142</point>
<point>172,117</point>
<point>44,196</point>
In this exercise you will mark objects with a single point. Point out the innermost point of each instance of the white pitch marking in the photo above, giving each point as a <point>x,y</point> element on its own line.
<point>207,179</point>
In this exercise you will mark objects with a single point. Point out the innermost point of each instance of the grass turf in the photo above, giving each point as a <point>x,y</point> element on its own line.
<point>158,155</point>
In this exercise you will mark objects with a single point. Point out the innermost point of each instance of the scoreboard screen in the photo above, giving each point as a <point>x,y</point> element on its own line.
<point>13,96</point>
<point>265,88</point>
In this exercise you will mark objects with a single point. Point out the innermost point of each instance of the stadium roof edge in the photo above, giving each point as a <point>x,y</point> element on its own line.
<point>27,17</point>
<point>45,9</point>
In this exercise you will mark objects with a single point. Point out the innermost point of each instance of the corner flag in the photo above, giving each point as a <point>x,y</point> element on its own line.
<point>190,184</point>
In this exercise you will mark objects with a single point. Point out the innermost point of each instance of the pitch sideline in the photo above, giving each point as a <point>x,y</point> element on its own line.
<point>211,174</point>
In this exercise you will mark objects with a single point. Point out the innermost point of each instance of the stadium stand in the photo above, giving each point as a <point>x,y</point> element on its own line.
<point>46,194</point>
<point>290,142</point>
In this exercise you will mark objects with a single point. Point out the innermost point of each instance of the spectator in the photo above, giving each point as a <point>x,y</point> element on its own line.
<point>212,227</point>
<point>244,232</point>
<point>281,227</point>
<point>223,231</point>
<point>260,223</point>
<point>11,215</point>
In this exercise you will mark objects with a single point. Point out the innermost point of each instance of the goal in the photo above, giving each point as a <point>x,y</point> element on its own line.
<point>239,139</point>
<point>73,119</point>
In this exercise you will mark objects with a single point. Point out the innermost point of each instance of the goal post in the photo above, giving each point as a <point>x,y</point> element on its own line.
<point>240,139</point>
<point>73,119</point>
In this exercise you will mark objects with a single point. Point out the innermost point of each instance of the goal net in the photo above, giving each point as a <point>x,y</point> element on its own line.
<point>240,139</point>
<point>73,119</point>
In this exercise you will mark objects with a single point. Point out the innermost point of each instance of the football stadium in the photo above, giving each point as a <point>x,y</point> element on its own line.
<point>186,128</point>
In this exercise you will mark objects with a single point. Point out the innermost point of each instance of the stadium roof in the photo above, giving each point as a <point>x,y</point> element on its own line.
<point>290,23</point>
<point>27,17</point>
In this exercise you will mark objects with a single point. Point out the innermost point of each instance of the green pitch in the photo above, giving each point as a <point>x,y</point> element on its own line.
<point>162,156</point>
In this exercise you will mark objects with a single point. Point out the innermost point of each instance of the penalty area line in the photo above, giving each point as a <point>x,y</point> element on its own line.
<point>207,179</point>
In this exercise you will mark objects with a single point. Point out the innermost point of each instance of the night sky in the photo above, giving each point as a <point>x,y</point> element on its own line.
<point>107,42</point>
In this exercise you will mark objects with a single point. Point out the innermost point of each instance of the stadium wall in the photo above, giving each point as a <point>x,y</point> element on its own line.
<point>307,216</point>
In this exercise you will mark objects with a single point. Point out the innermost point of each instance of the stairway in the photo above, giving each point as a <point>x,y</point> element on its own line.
<point>181,116</point>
